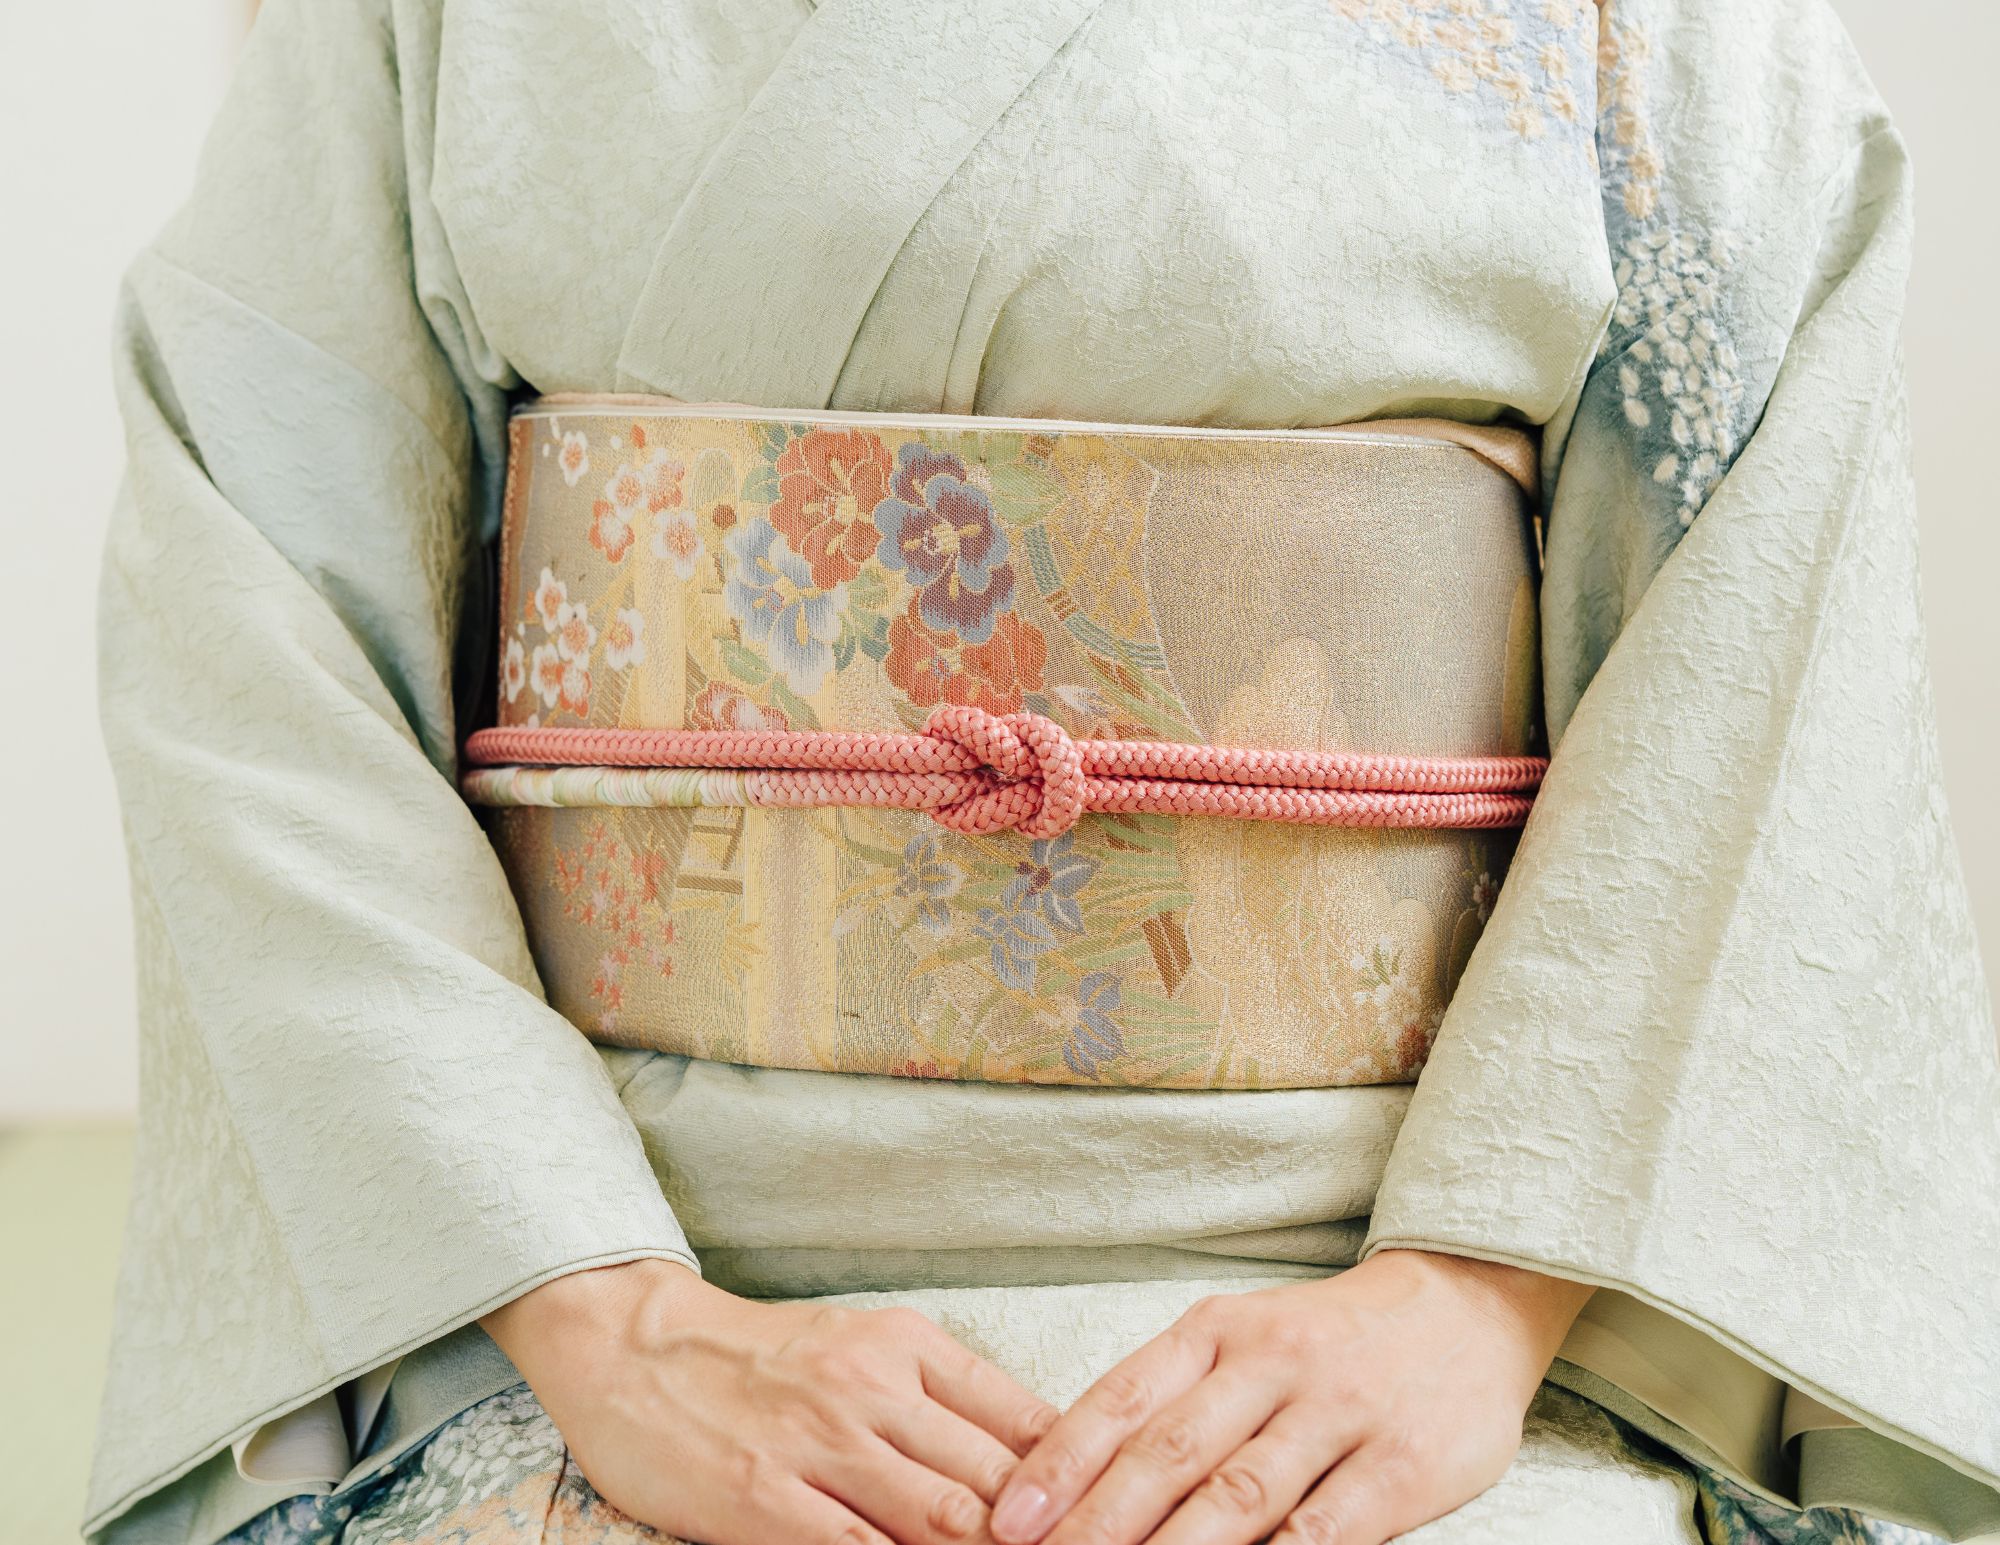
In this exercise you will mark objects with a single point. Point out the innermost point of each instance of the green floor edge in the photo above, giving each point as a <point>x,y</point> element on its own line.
<point>63,1190</point>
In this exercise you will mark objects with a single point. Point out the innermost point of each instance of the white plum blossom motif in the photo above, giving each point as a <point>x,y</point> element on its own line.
<point>1679,381</point>
<point>551,595</point>
<point>575,687</point>
<point>660,480</point>
<point>546,670</point>
<point>625,491</point>
<point>677,539</point>
<point>573,456</point>
<point>624,639</point>
<point>611,517</point>
<point>574,635</point>
<point>513,669</point>
<point>1380,973</point>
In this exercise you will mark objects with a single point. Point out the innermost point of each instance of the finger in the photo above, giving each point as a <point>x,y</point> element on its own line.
<point>1247,1495</point>
<point>1075,1451</point>
<point>1361,1502</point>
<point>940,1439</point>
<point>1168,1457</point>
<point>811,1517</point>
<point>962,1381</point>
<point>911,1503</point>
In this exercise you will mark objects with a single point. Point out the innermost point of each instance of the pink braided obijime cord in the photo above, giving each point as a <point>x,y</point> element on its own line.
<point>980,772</point>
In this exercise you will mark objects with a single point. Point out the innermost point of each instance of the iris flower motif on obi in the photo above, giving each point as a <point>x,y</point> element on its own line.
<point>1043,901</point>
<point>1094,1038</point>
<point>1051,882</point>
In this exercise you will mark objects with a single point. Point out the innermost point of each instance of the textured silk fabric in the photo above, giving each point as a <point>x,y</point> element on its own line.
<point>666,568</point>
<point>1724,1043</point>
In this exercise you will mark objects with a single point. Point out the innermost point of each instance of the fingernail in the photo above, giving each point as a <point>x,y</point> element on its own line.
<point>1021,1518</point>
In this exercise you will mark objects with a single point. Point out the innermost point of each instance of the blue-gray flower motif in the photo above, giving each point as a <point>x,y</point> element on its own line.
<point>769,589</point>
<point>1042,902</point>
<point>1050,882</point>
<point>928,874</point>
<point>1094,1037</point>
<point>1018,939</point>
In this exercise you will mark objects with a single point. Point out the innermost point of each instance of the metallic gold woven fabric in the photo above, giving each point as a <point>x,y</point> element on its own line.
<point>673,566</point>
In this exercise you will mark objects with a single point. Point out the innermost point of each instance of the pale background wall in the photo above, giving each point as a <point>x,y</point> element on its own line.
<point>102,105</point>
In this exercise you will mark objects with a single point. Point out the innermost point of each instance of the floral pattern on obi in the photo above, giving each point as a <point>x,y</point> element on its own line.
<point>666,569</point>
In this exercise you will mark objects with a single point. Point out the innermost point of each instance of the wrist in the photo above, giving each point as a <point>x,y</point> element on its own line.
<point>1540,1306</point>
<point>604,1306</point>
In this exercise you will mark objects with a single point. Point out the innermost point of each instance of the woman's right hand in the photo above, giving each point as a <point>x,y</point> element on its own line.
<point>733,1422</point>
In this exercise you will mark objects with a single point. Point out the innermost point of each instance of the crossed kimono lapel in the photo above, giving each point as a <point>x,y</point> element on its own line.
<point>761,282</point>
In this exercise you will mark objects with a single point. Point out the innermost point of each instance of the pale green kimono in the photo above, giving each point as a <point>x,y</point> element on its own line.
<point>1724,1048</point>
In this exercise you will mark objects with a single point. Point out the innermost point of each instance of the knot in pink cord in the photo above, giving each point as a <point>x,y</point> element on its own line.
<point>1031,772</point>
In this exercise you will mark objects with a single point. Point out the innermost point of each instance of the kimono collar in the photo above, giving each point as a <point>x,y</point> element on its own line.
<point>764,275</point>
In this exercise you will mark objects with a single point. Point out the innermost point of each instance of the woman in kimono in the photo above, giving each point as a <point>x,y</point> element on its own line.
<point>1687,1229</point>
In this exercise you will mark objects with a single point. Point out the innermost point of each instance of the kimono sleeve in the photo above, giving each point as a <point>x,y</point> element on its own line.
<point>362,1125</point>
<point>1726,1047</point>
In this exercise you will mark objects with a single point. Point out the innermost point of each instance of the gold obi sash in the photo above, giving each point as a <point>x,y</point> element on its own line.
<point>942,795</point>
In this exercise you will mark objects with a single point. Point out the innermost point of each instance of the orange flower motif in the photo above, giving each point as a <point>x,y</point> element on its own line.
<point>829,482</point>
<point>606,986</point>
<point>1413,1041</point>
<point>649,868</point>
<point>721,706</point>
<point>610,531</point>
<point>932,668</point>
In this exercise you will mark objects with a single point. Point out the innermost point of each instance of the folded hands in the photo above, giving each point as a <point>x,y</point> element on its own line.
<point>1349,1408</point>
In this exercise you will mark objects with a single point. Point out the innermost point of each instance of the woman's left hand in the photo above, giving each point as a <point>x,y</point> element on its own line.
<point>1349,1408</point>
